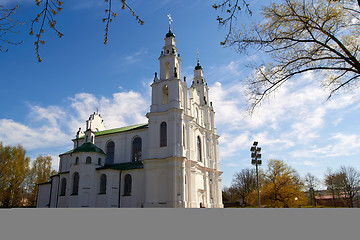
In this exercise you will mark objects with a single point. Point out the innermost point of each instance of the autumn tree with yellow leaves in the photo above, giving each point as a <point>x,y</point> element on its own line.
<point>281,187</point>
<point>18,181</point>
<point>40,172</point>
<point>14,168</point>
<point>299,36</point>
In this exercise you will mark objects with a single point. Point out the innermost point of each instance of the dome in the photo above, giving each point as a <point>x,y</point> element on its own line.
<point>88,147</point>
<point>170,34</point>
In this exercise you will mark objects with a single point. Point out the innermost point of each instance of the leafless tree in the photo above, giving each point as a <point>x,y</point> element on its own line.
<point>46,19</point>
<point>244,182</point>
<point>7,25</point>
<point>351,184</point>
<point>311,183</point>
<point>300,36</point>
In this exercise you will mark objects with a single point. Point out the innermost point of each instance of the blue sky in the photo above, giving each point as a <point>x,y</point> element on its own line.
<point>43,104</point>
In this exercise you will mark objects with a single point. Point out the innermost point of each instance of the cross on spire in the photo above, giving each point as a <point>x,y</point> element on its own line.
<point>198,58</point>
<point>197,67</point>
<point>170,20</point>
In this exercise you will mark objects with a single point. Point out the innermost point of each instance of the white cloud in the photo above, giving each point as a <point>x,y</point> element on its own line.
<point>227,106</point>
<point>232,72</point>
<point>54,126</point>
<point>135,57</point>
<point>341,145</point>
<point>229,143</point>
<point>285,123</point>
<point>232,164</point>
<point>52,114</point>
<point>124,108</point>
<point>310,163</point>
<point>13,133</point>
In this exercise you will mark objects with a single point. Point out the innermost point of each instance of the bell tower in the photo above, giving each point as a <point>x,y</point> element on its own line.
<point>200,85</point>
<point>166,88</point>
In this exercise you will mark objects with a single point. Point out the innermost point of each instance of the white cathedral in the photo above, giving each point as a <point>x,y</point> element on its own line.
<point>170,162</point>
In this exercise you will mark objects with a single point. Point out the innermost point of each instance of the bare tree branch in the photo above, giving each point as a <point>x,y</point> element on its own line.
<point>111,15</point>
<point>7,25</point>
<point>302,36</point>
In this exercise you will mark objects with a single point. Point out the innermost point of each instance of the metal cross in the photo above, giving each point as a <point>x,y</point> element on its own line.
<point>198,59</point>
<point>170,20</point>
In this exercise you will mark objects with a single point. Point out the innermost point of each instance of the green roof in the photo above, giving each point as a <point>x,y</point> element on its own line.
<point>110,131</point>
<point>124,166</point>
<point>119,130</point>
<point>86,147</point>
<point>70,151</point>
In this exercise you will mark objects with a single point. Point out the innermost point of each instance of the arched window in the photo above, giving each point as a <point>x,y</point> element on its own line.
<point>163,134</point>
<point>199,148</point>
<point>127,185</point>
<point>136,149</point>
<point>165,94</point>
<point>110,150</point>
<point>77,160</point>
<point>178,70</point>
<point>88,160</point>
<point>75,188</point>
<point>63,187</point>
<point>103,184</point>
<point>167,70</point>
<point>99,161</point>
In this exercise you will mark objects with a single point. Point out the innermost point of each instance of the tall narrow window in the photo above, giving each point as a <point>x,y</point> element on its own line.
<point>136,149</point>
<point>184,137</point>
<point>181,96</point>
<point>110,150</point>
<point>163,134</point>
<point>197,115</point>
<point>75,189</point>
<point>127,185</point>
<point>77,160</point>
<point>177,71</point>
<point>103,184</point>
<point>88,160</point>
<point>165,94</point>
<point>199,148</point>
<point>167,70</point>
<point>63,187</point>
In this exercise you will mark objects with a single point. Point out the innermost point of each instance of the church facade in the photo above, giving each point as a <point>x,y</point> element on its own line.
<point>172,161</point>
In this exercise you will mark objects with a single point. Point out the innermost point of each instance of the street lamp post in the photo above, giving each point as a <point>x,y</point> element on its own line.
<point>256,160</point>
